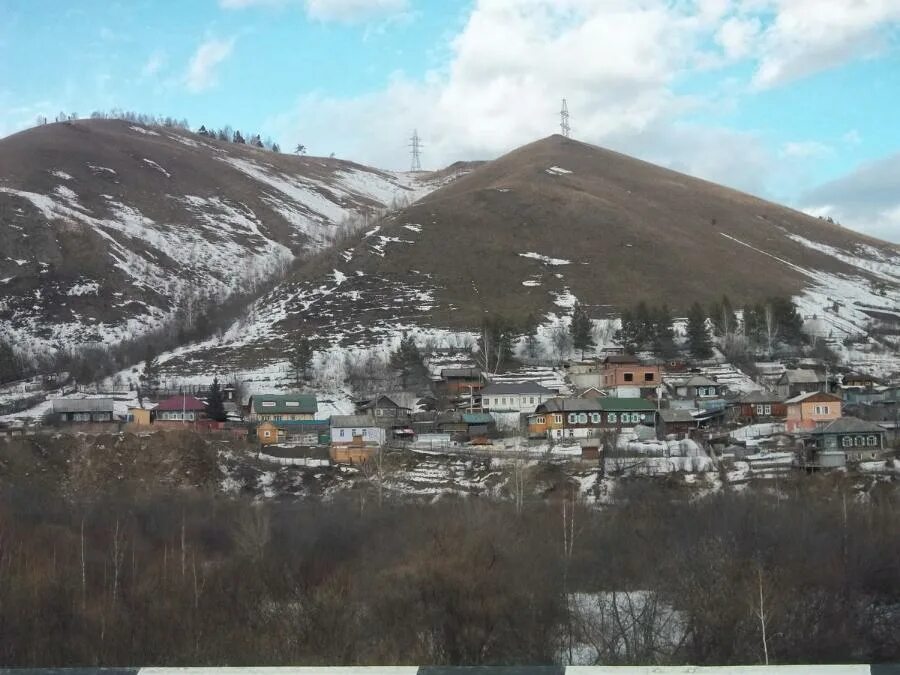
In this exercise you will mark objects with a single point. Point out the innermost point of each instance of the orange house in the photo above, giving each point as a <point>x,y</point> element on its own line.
<point>628,371</point>
<point>812,410</point>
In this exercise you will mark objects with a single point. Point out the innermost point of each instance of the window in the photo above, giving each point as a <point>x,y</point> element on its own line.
<point>364,434</point>
<point>768,409</point>
<point>573,418</point>
<point>268,404</point>
<point>847,442</point>
<point>859,441</point>
<point>582,418</point>
<point>267,434</point>
<point>821,410</point>
<point>571,433</point>
<point>531,400</point>
<point>611,418</point>
<point>504,401</point>
<point>648,377</point>
<point>558,433</point>
<point>759,410</point>
<point>379,412</point>
<point>595,418</point>
<point>292,404</point>
<point>872,441</point>
<point>628,377</point>
<point>342,433</point>
<point>539,420</point>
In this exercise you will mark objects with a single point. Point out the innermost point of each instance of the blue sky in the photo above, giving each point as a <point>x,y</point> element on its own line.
<point>794,100</point>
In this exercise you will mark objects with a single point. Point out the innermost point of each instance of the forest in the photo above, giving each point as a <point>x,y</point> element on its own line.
<point>172,572</point>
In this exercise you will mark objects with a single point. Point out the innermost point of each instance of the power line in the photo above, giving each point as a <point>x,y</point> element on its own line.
<point>415,145</point>
<point>564,120</point>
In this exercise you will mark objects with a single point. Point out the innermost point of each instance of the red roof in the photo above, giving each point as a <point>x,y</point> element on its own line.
<point>179,403</point>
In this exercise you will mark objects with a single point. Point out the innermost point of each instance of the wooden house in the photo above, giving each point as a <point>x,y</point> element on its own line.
<point>182,408</point>
<point>857,439</point>
<point>759,406</point>
<point>521,397</point>
<point>678,422</point>
<point>561,418</point>
<point>83,410</point>
<point>798,381</point>
<point>382,407</point>
<point>806,412</point>
<point>456,381</point>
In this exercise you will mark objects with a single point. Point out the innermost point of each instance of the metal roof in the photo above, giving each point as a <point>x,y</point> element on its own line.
<point>613,404</point>
<point>849,425</point>
<point>571,405</point>
<point>502,388</point>
<point>284,403</point>
<point>761,397</point>
<point>357,421</point>
<point>76,405</point>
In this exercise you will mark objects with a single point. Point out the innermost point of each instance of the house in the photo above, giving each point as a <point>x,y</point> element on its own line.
<point>679,422</point>
<point>282,407</point>
<point>792,383</point>
<point>297,432</point>
<point>628,376</point>
<point>479,425</point>
<point>759,406</point>
<point>347,429</point>
<point>857,439</point>
<point>559,418</point>
<point>461,380</point>
<point>809,411</point>
<point>182,408</point>
<point>698,387</point>
<point>83,410</point>
<point>521,397</point>
<point>382,407</point>
<point>140,417</point>
<point>859,381</point>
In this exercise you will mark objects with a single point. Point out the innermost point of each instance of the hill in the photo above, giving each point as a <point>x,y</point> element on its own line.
<point>559,220</point>
<point>108,228</point>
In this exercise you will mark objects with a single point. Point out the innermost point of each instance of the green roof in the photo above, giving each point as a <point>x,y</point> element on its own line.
<point>613,404</point>
<point>477,418</point>
<point>275,404</point>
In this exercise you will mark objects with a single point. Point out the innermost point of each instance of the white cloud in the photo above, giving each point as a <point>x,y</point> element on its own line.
<point>809,36</point>
<point>738,36</point>
<point>805,149</point>
<point>347,11</point>
<point>154,64</point>
<point>201,71</point>
<point>866,199</point>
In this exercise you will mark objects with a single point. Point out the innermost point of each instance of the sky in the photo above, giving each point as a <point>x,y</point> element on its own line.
<point>792,100</point>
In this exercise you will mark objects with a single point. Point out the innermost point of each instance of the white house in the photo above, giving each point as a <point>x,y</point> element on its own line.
<point>344,428</point>
<point>521,397</point>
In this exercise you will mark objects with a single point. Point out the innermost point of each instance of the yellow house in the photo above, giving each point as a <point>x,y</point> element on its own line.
<point>139,417</point>
<point>267,433</point>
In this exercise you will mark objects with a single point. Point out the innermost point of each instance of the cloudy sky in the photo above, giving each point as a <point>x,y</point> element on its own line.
<point>794,100</point>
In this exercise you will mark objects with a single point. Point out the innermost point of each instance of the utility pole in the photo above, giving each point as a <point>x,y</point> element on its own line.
<point>564,120</point>
<point>415,145</point>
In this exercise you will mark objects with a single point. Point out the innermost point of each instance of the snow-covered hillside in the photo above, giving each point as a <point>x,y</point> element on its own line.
<point>125,225</point>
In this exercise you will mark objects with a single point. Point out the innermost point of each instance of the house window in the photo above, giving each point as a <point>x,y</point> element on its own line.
<point>342,433</point>
<point>582,418</point>
<point>821,410</point>
<point>559,433</point>
<point>292,404</point>
<point>648,377</point>
<point>595,418</point>
<point>379,412</point>
<point>268,404</point>
<point>847,442</point>
<point>628,377</point>
<point>611,418</point>
<point>504,401</point>
<point>768,409</point>
<point>364,433</point>
<point>571,433</point>
<point>859,441</point>
<point>557,418</point>
<point>539,420</point>
<point>531,400</point>
<point>871,441</point>
<point>267,434</point>
<point>573,418</point>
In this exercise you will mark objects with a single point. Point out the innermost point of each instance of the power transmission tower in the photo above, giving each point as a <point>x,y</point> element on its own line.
<point>564,120</point>
<point>415,145</point>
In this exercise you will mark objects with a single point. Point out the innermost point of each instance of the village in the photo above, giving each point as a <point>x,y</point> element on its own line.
<point>615,412</point>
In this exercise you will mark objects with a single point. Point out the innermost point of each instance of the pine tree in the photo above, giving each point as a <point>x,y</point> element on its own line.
<point>276,148</point>
<point>663,337</point>
<point>788,320</point>
<point>627,335</point>
<point>532,345</point>
<point>581,329</point>
<point>237,138</point>
<point>300,149</point>
<point>407,360</point>
<point>300,359</point>
<point>698,337</point>
<point>215,408</point>
<point>202,130</point>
